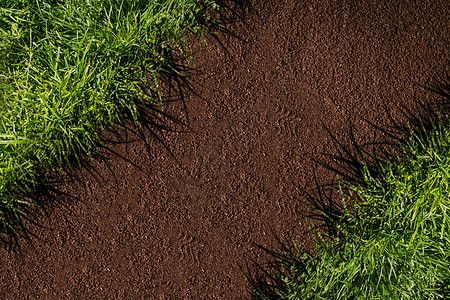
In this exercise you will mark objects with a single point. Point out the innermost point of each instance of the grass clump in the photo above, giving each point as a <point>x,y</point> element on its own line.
<point>71,68</point>
<point>393,236</point>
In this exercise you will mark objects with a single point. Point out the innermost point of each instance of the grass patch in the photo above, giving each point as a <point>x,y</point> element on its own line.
<point>70,68</point>
<point>392,238</point>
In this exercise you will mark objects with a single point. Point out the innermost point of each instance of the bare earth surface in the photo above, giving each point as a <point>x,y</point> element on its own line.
<point>156,226</point>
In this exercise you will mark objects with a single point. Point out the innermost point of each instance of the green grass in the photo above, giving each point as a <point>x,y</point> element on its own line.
<point>69,69</point>
<point>393,236</point>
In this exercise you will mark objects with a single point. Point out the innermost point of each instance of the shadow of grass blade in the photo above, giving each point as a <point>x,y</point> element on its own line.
<point>69,69</point>
<point>392,240</point>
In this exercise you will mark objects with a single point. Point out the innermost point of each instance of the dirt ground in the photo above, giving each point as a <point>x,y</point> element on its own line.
<point>150,223</point>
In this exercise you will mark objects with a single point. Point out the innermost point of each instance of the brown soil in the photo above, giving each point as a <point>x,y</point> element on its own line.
<point>152,225</point>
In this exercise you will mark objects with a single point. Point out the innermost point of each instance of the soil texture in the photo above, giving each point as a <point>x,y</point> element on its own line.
<point>298,79</point>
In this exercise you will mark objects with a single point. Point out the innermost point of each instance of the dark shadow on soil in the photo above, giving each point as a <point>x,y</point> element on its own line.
<point>347,166</point>
<point>174,83</point>
<point>43,201</point>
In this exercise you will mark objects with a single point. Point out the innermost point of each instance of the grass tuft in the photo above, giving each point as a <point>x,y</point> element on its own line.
<point>392,239</point>
<point>71,68</point>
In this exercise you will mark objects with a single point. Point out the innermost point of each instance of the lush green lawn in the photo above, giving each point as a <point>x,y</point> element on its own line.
<point>70,68</point>
<point>394,242</point>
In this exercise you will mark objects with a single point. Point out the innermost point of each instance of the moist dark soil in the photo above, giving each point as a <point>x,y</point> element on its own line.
<point>299,79</point>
